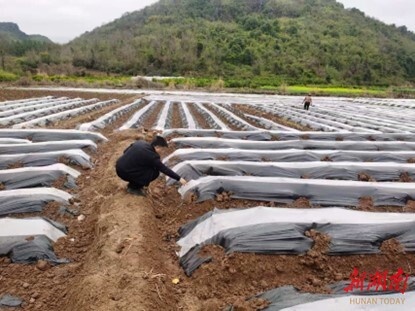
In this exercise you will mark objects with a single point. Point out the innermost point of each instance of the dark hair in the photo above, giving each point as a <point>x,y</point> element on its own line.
<point>159,141</point>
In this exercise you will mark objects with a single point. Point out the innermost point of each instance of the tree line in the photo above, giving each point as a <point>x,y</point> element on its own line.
<point>282,41</point>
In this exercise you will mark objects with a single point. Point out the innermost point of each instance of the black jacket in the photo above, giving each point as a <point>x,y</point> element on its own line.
<point>140,158</point>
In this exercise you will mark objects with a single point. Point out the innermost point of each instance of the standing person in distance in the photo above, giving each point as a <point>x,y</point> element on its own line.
<point>140,165</point>
<point>307,102</point>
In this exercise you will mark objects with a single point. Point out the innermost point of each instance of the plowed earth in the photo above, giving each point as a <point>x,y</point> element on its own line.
<point>123,253</point>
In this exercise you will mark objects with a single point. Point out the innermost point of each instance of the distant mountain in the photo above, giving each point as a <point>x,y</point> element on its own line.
<point>12,32</point>
<point>293,41</point>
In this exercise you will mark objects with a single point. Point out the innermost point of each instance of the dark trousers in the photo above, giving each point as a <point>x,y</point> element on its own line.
<point>306,106</point>
<point>139,180</point>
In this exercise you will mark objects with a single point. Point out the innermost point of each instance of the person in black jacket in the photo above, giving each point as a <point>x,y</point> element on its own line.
<point>140,165</point>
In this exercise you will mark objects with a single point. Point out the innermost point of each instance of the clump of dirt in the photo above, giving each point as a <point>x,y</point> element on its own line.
<point>215,251</point>
<point>222,158</point>
<point>15,165</point>
<point>64,160</point>
<point>366,204</point>
<point>411,160</point>
<point>250,305</point>
<point>300,203</point>
<point>190,197</point>
<point>60,182</point>
<point>404,177</point>
<point>2,186</point>
<point>339,138</point>
<point>326,159</point>
<point>410,206</point>
<point>223,196</point>
<point>321,243</point>
<point>392,247</point>
<point>365,177</point>
<point>305,137</point>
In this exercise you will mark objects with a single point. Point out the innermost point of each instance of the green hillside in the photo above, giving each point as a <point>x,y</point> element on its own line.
<point>281,41</point>
<point>20,52</point>
<point>11,32</point>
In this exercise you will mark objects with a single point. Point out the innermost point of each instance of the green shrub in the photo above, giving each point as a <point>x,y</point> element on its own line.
<point>7,76</point>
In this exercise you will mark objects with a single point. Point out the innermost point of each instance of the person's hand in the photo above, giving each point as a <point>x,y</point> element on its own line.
<point>183,181</point>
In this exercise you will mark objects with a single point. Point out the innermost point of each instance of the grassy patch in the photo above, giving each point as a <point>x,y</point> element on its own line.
<point>7,76</point>
<point>328,90</point>
<point>257,84</point>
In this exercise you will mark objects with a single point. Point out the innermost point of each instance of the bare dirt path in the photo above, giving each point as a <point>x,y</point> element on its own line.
<point>151,119</point>
<point>201,121</point>
<point>222,118</point>
<point>176,117</point>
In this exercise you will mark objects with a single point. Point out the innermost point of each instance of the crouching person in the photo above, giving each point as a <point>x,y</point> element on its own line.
<point>140,165</point>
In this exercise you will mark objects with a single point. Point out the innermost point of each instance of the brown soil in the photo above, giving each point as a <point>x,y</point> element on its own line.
<point>301,203</point>
<point>392,247</point>
<point>366,204</point>
<point>240,114</point>
<point>326,159</point>
<point>231,126</point>
<point>89,117</point>
<point>176,117</point>
<point>272,117</point>
<point>151,119</point>
<point>60,183</point>
<point>365,177</point>
<point>405,178</point>
<point>6,94</point>
<point>201,121</point>
<point>123,252</point>
<point>73,122</point>
<point>252,304</point>
<point>223,196</point>
<point>15,165</point>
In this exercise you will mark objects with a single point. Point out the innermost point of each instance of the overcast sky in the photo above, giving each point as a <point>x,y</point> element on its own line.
<point>64,20</point>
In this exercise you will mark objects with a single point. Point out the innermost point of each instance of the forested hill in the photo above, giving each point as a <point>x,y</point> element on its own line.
<point>10,32</point>
<point>15,44</point>
<point>295,41</point>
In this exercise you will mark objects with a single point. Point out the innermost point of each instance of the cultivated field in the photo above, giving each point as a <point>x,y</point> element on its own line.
<point>282,206</point>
